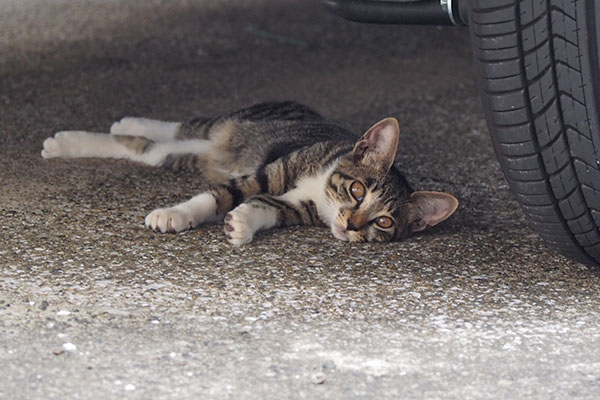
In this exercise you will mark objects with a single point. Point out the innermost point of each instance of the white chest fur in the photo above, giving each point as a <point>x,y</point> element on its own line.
<point>312,188</point>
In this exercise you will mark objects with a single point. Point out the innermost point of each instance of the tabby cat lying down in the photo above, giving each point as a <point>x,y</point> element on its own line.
<point>273,165</point>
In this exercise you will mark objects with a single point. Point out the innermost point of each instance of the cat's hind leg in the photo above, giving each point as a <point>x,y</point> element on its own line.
<point>158,131</point>
<point>79,144</point>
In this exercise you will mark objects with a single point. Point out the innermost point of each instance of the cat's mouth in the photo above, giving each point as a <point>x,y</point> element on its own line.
<point>339,228</point>
<point>339,231</point>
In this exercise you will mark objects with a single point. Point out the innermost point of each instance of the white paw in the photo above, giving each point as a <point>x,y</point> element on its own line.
<point>129,126</point>
<point>51,148</point>
<point>149,128</point>
<point>237,225</point>
<point>169,220</point>
<point>64,144</point>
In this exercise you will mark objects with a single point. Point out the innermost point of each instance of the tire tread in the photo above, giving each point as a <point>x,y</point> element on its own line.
<point>541,111</point>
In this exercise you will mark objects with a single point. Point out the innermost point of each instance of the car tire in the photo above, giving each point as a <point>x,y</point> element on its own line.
<point>539,79</point>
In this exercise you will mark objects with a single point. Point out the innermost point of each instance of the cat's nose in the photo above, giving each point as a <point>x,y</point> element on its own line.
<point>351,226</point>
<point>356,222</point>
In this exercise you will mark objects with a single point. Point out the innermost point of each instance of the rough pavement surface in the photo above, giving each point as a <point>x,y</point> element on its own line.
<point>94,306</point>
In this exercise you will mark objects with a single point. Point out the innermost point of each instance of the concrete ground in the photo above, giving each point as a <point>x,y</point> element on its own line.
<point>94,306</point>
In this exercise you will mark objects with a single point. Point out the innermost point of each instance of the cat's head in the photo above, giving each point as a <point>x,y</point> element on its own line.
<point>373,202</point>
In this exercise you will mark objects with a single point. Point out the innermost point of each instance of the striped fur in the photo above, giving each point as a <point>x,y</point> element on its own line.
<point>273,165</point>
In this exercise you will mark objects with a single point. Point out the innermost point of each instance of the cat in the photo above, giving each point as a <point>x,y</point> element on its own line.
<point>270,165</point>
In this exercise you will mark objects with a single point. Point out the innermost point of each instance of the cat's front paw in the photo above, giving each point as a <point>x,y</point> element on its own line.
<point>237,227</point>
<point>169,220</point>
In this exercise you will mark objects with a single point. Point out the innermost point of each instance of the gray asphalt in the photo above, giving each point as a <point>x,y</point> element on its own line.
<point>94,306</point>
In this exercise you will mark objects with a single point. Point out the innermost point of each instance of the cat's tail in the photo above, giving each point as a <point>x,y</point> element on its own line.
<point>202,165</point>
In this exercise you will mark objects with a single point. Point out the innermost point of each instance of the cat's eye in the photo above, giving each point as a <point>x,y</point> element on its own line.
<point>357,190</point>
<point>384,222</point>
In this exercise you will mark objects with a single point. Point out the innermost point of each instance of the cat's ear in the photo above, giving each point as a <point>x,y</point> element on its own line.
<point>430,208</point>
<point>378,146</point>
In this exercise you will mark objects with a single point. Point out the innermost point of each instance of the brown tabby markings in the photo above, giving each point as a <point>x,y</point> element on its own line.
<point>265,150</point>
<point>273,165</point>
<point>137,144</point>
